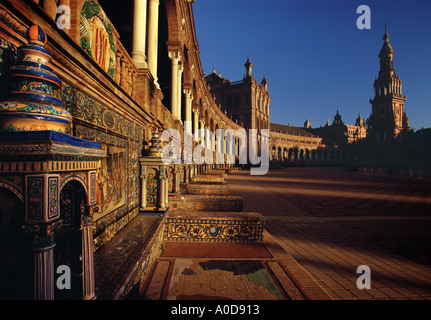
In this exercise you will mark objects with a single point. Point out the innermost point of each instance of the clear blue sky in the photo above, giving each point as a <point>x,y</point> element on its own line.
<point>314,57</point>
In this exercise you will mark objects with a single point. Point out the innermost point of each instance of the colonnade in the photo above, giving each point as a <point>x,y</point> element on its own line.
<point>146,22</point>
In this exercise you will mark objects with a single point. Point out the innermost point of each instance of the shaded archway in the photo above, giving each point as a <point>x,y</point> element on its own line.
<point>16,258</point>
<point>68,249</point>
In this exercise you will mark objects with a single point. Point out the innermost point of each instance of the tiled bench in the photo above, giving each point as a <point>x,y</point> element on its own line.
<point>202,226</point>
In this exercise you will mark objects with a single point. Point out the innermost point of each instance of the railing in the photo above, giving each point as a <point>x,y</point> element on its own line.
<point>126,71</point>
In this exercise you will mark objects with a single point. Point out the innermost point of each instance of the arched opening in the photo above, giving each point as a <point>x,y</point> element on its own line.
<point>68,249</point>
<point>301,154</point>
<point>16,258</point>
<point>307,154</point>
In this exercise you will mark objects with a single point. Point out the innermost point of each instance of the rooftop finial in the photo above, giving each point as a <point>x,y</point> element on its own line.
<point>386,35</point>
<point>248,66</point>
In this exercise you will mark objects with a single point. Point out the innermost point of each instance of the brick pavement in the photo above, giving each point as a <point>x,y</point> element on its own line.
<point>331,220</point>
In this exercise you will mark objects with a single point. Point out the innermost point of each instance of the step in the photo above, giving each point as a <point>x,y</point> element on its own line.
<point>207,189</point>
<point>205,203</point>
<point>203,226</point>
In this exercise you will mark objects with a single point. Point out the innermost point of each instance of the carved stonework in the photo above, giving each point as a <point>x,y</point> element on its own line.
<point>217,227</point>
<point>42,235</point>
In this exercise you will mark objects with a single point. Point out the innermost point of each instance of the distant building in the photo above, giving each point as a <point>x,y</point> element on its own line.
<point>338,133</point>
<point>388,118</point>
<point>246,101</point>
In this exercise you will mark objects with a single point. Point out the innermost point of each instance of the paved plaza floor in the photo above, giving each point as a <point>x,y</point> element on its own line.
<point>332,220</point>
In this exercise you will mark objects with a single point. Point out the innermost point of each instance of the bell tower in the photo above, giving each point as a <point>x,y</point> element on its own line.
<point>388,118</point>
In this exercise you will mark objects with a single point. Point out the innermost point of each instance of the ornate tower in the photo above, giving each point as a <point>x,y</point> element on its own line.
<point>388,118</point>
<point>248,67</point>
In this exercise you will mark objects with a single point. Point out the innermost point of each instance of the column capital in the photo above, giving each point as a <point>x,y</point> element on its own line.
<point>188,92</point>
<point>175,56</point>
<point>42,234</point>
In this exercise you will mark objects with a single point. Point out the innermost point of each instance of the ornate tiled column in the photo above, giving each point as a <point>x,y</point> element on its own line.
<point>88,282</point>
<point>34,105</point>
<point>42,215</point>
<point>43,248</point>
<point>35,137</point>
<point>154,179</point>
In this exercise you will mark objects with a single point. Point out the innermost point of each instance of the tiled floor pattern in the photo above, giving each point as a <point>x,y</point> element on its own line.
<point>188,271</point>
<point>332,220</point>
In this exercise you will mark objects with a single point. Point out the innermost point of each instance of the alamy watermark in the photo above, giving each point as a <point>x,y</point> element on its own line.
<point>229,142</point>
<point>63,17</point>
<point>64,279</point>
<point>364,280</point>
<point>364,20</point>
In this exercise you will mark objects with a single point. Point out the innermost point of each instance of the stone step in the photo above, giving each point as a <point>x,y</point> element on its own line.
<point>209,178</point>
<point>216,189</point>
<point>206,203</point>
<point>203,226</point>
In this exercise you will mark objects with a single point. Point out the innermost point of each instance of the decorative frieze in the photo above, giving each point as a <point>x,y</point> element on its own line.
<point>234,227</point>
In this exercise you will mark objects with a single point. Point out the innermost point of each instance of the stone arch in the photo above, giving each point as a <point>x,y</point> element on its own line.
<point>69,178</point>
<point>17,192</point>
<point>173,19</point>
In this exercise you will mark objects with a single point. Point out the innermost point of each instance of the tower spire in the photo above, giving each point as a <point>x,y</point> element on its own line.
<point>387,123</point>
<point>248,66</point>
